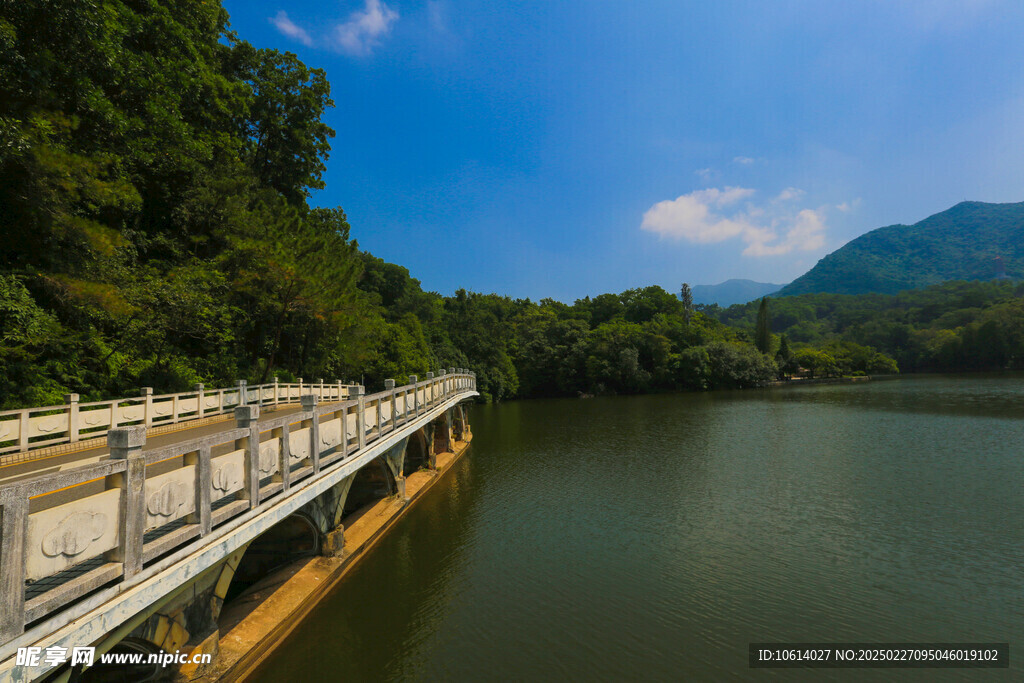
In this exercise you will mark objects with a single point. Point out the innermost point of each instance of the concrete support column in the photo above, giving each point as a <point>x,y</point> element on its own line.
<point>126,444</point>
<point>334,542</point>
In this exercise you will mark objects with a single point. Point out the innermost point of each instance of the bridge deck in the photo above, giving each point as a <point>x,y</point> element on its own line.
<point>17,471</point>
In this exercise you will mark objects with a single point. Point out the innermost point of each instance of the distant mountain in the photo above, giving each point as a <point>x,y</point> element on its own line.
<point>971,241</point>
<point>732,292</point>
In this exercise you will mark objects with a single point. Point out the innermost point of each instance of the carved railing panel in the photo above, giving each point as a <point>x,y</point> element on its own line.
<point>170,496</point>
<point>68,534</point>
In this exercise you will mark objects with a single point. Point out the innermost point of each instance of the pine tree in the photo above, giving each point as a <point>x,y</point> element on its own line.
<point>762,334</point>
<point>687,296</point>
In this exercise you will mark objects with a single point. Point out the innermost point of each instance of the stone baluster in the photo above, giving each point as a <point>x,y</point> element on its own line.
<point>415,396</point>
<point>72,401</point>
<point>147,393</point>
<point>309,403</point>
<point>361,417</point>
<point>126,443</point>
<point>245,418</point>
<point>389,386</point>
<point>13,532</point>
<point>200,398</point>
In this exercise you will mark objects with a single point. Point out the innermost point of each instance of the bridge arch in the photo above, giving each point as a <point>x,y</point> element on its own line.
<point>417,453</point>
<point>371,483</point>
<point>294,537</point>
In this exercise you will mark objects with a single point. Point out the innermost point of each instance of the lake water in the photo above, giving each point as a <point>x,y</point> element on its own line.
<point>654,537</point>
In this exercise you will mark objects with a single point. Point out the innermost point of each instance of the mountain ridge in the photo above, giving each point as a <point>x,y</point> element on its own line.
<point>968,241</point>
<point>732,291</point>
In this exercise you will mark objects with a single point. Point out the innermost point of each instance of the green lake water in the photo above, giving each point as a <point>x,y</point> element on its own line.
<point>654,537</point>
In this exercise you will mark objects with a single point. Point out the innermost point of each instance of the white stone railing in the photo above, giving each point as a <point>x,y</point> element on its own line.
<point>77,531</point>
<point>31,429</point>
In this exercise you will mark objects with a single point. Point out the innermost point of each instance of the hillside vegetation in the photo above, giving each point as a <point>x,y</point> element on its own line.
<point>953,326</point>
<point>961,243</point>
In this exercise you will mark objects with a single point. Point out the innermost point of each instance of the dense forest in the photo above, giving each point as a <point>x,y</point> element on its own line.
<point>155,181</point>
<point>953,326</point>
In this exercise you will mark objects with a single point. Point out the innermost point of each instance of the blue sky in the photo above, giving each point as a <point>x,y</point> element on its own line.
<point>567,148</point>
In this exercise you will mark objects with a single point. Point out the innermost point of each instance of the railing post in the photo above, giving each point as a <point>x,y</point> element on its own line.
<point>242,398</point>
<point>147,393</point>
<point>13,531</point>
<point>389,386</point>
<point>284,465</point>
<point>309,402</point>
<point>72,401</point>
<point>203,515</point>
<point>429,399</point>
<point>277,393</point>
<point>245,418</point>
<point>126,444</point>
<point>320,395</point>
<point>415,396</point>
<point>23,430</point>
<point>199,388</point>
<point>361,417</point>
<point>300,391</point>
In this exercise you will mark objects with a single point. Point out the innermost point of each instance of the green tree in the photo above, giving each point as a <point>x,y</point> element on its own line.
<point>762,333</point>
<point>686,296</point>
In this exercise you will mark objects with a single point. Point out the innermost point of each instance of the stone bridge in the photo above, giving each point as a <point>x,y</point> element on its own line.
<point>143,543</point>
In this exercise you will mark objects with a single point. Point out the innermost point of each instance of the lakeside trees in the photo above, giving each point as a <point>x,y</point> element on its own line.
<point>953,326</point>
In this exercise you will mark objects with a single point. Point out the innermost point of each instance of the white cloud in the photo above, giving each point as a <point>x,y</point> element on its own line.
<point>847,207</point>
<point>746,161</point>
<point>365,28</point>
<point>706,174</point>
<point>789,193</point>
<point>291,29</point>
<point>805,232</point>
<point>711,215</point>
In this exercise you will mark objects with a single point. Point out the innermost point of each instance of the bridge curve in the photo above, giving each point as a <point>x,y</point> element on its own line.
<point>85,551</point>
